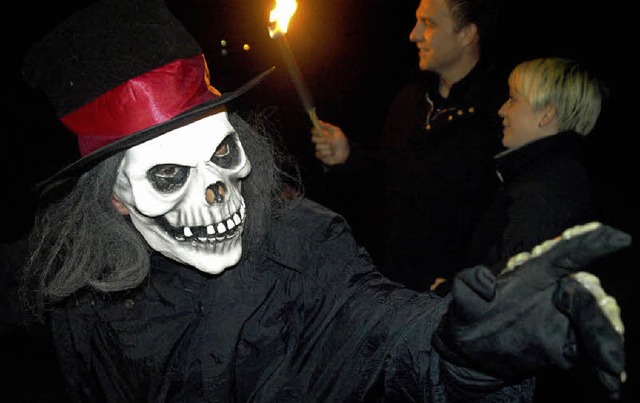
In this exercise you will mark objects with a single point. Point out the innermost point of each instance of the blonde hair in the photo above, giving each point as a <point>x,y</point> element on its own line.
<point>574,91</point>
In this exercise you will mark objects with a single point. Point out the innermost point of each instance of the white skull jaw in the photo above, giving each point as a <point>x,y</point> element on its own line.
<point>183,193</point>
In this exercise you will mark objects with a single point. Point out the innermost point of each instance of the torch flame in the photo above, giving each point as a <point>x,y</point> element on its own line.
<point>280,16</point>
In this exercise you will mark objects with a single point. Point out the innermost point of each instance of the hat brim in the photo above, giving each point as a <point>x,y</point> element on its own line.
<point>81,165</point>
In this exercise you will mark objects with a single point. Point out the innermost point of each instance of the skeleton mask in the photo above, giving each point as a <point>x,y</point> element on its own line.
<point>182,190</point>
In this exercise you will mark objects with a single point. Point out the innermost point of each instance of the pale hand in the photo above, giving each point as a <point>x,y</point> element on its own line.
<point>332,146</point>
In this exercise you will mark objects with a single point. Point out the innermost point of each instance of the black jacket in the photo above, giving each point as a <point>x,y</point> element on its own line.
<point>309,320</point>
<point>432,177</point>
<point>545,189</point>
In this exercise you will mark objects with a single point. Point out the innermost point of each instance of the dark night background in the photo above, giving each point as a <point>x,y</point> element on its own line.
<point>354,55</point>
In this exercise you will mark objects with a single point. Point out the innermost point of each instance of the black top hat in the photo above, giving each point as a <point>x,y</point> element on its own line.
<point>119,73</point>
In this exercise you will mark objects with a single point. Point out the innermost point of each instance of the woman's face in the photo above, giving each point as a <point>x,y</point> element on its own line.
<point>521,123</point>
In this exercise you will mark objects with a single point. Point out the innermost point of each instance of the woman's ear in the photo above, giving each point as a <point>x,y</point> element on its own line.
<point>549,115</point>
<point>120,207</point>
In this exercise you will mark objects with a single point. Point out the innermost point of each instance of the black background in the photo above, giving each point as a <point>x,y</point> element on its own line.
<point>354,55</point>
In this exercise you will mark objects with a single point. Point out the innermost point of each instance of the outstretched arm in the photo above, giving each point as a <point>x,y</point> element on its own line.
<point>536,314</point>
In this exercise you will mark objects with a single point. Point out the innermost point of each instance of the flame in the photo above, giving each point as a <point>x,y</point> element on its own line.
<point>280,16</point>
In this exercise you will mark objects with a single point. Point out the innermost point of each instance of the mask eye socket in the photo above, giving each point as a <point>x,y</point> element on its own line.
<point>227,153</point>
<point>222,150</point>
<point>168,178</point>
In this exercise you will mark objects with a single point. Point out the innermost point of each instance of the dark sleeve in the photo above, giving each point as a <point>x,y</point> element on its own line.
<point>371,336</point>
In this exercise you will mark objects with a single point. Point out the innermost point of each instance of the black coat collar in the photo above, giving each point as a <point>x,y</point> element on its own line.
<point>510,163</point>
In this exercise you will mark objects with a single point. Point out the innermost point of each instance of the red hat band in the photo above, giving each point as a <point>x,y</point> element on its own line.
<point>141,102</point>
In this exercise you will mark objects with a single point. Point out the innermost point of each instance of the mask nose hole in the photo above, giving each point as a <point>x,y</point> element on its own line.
<point>215,193</point>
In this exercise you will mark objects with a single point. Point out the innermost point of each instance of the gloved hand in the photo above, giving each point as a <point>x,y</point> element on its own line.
<point>536,314</point>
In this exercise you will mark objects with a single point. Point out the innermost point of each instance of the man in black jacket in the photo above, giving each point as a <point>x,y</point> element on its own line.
<point>431,178</point>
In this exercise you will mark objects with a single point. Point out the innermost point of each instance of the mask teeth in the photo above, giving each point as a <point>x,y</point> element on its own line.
<point>212,232</point>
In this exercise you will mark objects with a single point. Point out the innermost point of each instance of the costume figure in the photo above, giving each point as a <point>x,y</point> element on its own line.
<point>177,267</point>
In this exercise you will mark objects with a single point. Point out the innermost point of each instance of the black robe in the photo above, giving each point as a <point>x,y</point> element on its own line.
<point>308,319</point>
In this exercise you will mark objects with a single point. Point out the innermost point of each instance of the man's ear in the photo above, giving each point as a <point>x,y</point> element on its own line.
<point>120,207</point>
<point>468,34</point>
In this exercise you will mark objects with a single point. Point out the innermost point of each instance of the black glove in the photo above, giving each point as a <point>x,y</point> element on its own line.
<point>534,316</point>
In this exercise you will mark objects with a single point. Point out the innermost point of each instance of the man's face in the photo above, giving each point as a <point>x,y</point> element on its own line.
<point>183,192</point>
<point>434,34</point>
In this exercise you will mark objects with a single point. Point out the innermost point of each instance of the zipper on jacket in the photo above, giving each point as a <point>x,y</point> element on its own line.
<point>433,114</point>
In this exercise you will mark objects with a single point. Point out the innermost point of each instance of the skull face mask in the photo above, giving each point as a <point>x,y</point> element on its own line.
<point>183,192</point>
